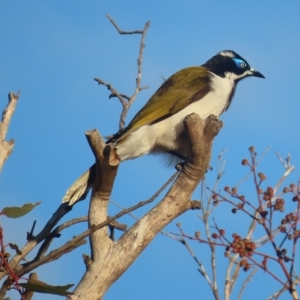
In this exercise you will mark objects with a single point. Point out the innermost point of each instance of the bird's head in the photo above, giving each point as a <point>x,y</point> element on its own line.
<point>227,63</point>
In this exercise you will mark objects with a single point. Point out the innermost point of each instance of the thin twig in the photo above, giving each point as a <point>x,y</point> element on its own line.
<point>288,168</point>
<point>267,271</point>
<point>277,294</point>
<point>257,163</point>
<point>121,207</point>
<point>201,269</point>
<point>120,30</point>
<point>79,240</point>
<point>138,87</point>
<point>31,244</point>
<point>248,279</point>
<point>114,92</point>
<point>234,277</point>
<point>294,244</point>
<point>123,95</point>
<point>228,278</point>
<point>265,239</point>
<point>206,212</point>
<point>56,233</point>
<point>126,101</point>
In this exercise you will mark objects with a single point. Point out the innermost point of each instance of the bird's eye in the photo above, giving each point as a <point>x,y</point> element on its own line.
<point>240,64</point>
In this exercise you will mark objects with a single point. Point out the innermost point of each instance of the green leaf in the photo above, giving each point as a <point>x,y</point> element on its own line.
<point>42,287</point>
<point>17,212</point>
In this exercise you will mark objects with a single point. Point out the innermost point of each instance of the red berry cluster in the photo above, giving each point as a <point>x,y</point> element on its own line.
<point>268,195</point>
<point>279,204</point>
<point>245,264</point>
<point>217,236</point>
<point>289,219</point>
<point>244,247</point>
<point>293,189</point>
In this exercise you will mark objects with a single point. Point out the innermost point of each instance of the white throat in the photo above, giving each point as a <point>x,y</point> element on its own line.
<point>166,135</point>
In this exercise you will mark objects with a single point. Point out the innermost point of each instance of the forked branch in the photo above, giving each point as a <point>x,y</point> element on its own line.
<point>111,259</point>
<point>126,100</point>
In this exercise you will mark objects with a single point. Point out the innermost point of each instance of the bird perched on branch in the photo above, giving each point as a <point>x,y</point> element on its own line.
<point>158,126</point>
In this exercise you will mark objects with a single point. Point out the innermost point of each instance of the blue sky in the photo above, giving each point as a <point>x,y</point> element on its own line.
<point>52,50</point>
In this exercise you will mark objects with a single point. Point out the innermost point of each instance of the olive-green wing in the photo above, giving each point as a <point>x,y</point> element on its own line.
<point>181,89</point>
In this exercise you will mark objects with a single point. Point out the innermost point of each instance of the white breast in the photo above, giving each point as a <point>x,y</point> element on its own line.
<point>166,135</point>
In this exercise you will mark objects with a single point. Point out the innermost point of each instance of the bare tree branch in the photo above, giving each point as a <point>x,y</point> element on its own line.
<point>201,268</point>
<point>56,233</point>
<point>6,147</point>
<point>31,244</point>
<point>114,92</point>
<point>125,100</point>
<point>111,259</point>
<point>248,279</point>
<point>79,239</point>
<point>53,255</point>
<point>122,31</point>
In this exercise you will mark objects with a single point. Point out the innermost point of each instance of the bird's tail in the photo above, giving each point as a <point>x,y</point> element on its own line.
<point>81,186</point>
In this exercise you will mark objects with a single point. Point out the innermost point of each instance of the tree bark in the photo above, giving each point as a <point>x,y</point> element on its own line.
<point>109,260</point>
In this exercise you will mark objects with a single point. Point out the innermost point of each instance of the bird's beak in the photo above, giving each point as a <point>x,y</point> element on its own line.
<point>256,73</point>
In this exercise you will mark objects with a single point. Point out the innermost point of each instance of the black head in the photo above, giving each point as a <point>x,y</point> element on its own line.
<point>229,63</point>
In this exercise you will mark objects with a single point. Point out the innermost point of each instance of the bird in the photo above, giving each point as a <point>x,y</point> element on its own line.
<point>158,126</point>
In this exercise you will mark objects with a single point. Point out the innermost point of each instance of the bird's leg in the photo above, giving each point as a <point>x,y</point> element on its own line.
<point>179,166</point>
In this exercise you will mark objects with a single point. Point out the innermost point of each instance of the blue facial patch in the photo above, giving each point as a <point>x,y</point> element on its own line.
<point>240,63</point>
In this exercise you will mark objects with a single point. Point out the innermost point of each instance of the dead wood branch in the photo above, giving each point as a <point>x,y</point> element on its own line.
<point>126,101</point>
<point>33,242</point>
<point>109,260</point>
<point>6,147</point>
<point>80,239</point>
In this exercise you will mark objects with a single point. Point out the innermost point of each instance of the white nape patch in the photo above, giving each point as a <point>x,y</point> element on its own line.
<point>227,53</point>
<point>166,134</point>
